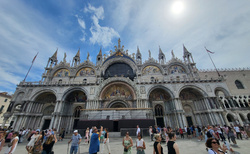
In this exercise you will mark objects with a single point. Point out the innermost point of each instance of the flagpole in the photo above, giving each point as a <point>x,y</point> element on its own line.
<point>30,68</point>
<point>212,62</point>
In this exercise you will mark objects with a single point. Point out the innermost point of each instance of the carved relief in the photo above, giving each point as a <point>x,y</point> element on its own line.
<point>142,90</point>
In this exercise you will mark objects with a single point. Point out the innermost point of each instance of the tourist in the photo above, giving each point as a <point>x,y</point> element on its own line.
<point>196,132</point>
<point>150,131</point>
<point>172,146</point>
<point>237,130</point>
<point>94,141</point>
<point>231,135</point>
<point>205,133</point>
<point>76,140</point>
<point>13,143</point>
<point>102,136</point>
<point>38,147</point>
<point>186,130</point>
<point>87,135</point>
<point>189,133</point>
<point>2,140</point>
<point>62,134</point>
<point>138,130</point>
<point>106,141</point>
<point>127,144</point>
<point>9,136</point>
<point>211,133</point>
<point>214,146</point>
<point>34,137</point>
<point>157,145</point>
<point>140,144</point>
<point>181,133</point>
<point>49,143</point>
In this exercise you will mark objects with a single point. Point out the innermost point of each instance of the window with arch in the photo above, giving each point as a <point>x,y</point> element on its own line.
<point>77,111</point>
<point>158,110</point>
<point>238,84</point>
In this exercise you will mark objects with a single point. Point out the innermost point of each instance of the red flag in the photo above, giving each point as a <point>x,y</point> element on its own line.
<point>209,51</point>
<point>34,58</point>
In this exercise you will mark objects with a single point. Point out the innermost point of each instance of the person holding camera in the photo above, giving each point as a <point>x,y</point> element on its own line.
<point>94,141</point>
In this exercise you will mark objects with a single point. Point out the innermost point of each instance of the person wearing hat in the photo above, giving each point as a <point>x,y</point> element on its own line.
<point>76,140</point>
<point>34,137</point>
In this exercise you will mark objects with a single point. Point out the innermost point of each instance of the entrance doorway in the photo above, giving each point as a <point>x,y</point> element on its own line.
<point>46,124</point>
<point>160,122</point>
<point>115,126</point>
<point>189,121</point>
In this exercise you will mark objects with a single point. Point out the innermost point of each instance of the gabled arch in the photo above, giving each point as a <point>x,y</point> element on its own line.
<point>152,88</point>
<point>69,90</point>
<point>153,64</point>
<point>39,92</point>
<point>199,89</point>
<point>217,89</point>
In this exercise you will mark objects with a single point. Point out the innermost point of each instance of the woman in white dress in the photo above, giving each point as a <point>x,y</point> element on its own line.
<point>13,143</point>
<point>34,137</point>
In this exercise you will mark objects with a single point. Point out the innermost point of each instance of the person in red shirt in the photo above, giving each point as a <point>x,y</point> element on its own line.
<point>181,132</point>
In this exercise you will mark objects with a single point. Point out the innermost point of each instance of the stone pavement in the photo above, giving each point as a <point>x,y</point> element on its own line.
<point>186,146</point>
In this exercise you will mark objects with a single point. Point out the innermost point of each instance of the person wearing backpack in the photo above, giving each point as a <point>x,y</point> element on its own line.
<point>211,133</point>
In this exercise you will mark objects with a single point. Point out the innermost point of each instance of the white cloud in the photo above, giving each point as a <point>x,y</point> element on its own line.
<point>100,34</point>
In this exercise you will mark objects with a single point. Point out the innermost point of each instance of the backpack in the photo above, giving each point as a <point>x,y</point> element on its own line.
<point>209,134</point>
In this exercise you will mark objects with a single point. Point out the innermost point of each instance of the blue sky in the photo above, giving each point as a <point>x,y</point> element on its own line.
<point>28,27</point>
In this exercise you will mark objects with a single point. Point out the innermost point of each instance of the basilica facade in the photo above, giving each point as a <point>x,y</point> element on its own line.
<point>121,91</point>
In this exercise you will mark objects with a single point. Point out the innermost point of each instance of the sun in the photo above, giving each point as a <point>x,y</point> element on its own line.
<point>177,7</point>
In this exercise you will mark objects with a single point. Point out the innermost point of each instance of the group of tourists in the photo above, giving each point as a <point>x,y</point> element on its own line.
<point>42,142</point>
<point>39,142</point>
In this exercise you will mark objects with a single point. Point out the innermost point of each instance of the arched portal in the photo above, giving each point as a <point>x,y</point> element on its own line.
<point>75,100</point>
<point>160,98</point>
<point>118,94</point>
<point>231,119</point>
<point>194,101</point>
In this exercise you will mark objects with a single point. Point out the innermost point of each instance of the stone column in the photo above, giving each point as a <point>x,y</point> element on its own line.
<point>4,121</point>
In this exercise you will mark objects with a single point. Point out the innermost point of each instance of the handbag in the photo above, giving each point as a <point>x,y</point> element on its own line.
<point>125,150</point>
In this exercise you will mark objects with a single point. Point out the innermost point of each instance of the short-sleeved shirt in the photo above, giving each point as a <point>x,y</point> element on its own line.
<point>211,131</point>
<point>94,144</point>
<point>75,139</point>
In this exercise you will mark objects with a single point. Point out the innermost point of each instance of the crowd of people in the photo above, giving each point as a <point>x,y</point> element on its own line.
<point>42,142</point>
<point>39,142</point>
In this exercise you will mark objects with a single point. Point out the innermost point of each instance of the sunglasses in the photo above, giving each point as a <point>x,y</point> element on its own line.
<point>215,142</point>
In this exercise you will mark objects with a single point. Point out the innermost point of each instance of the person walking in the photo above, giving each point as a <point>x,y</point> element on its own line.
<point>150,131</point>
<point>237,130</point>
<point>87,135</point>
<point>106,141</point>
<point>127,144</point>
<point>62,134</point>
<point>94,141</point>
<point>76,140</point>
<point>172,146</point>
<point>138,130</point>
<point>157,145</point>
<point>33,139</point>
<point>181,132</point>
<point>140,144</point>
<point>13,143</point>
<point>48,145</point>
<point>38,147</point>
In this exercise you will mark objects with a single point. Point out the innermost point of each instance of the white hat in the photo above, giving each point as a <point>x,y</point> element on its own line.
<point>75,131</point>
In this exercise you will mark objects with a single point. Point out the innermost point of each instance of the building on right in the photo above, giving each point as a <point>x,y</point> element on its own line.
<point>235,101</point>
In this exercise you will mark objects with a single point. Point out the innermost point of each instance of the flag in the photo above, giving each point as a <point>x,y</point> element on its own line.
<point>34,58</point>
<point>209,51</point>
